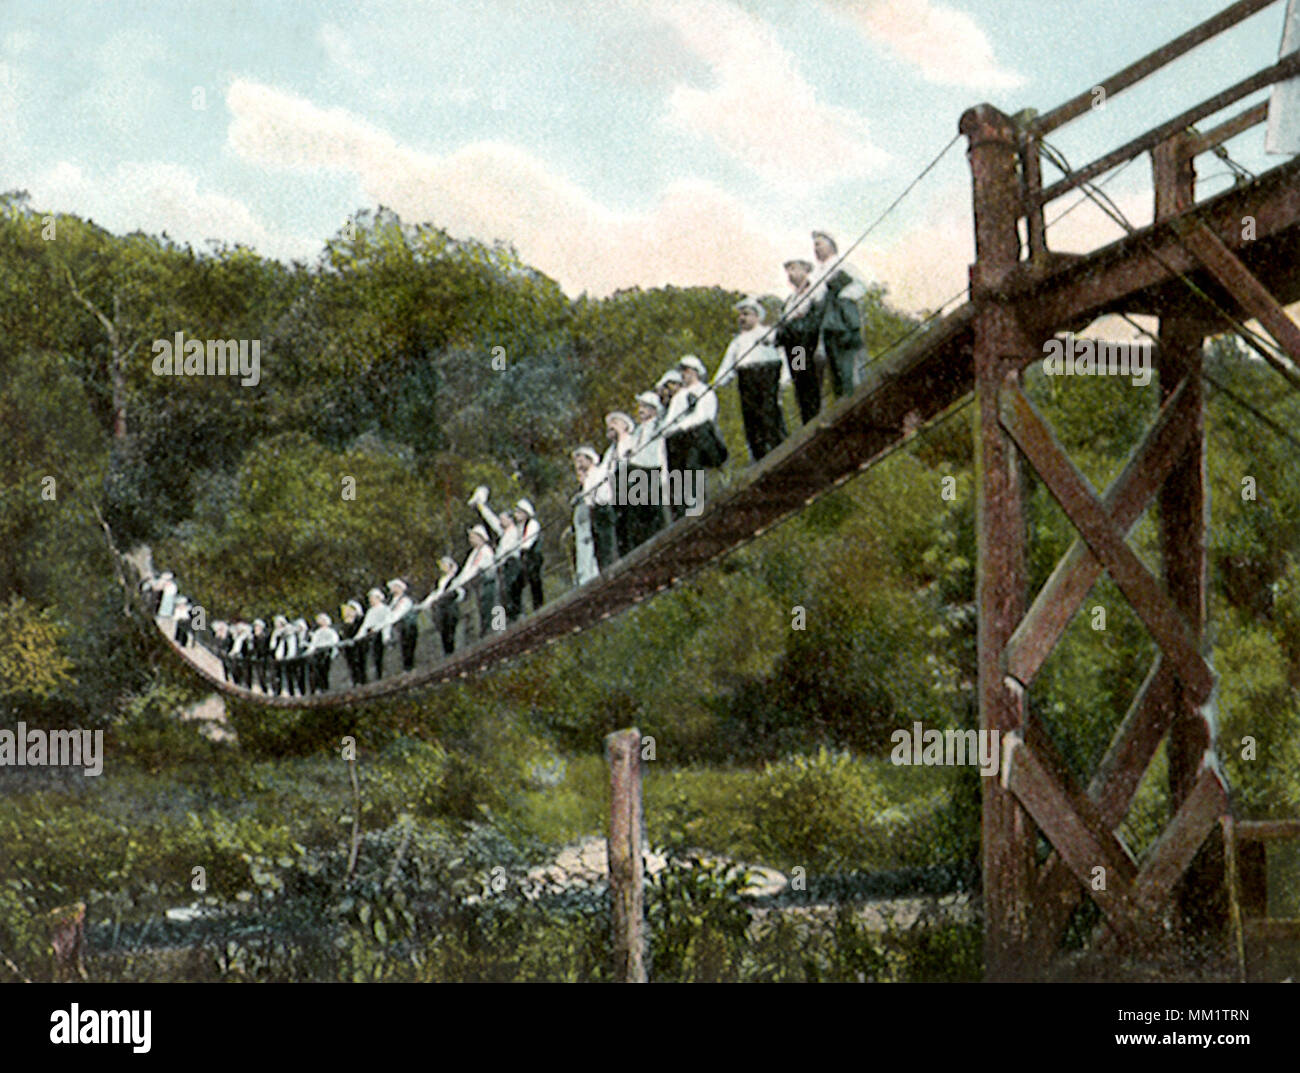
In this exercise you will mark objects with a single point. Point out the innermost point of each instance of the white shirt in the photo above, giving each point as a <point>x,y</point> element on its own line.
<point>285,643</point>
<point>690,406</point>
<point>649,451</point>
<point>480,561</point>
<point>510,539</point>
<point>444,583</point>
<point>595,485</point>
<point>323,637</point>
<point>396,612</point>
<point>532,533</point>
<point>376,619</point>
<point>746,350</point>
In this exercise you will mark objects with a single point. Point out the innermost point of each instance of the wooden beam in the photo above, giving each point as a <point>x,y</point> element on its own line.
<point>1267,830</point>
<point>1198,143</point>
<point>1250,294</point>
<point>1170,857</point>
<point>1076,497</point>
<point>1083,843</point>
<point>626,864</point>
<point>1125,500</point>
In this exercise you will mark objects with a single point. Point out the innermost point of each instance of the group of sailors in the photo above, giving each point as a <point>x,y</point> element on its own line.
<point>651,474</point>
<point>653,471</point>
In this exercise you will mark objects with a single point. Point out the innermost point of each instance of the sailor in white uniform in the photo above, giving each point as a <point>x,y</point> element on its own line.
<point>619,429</point>
<point>756,366</point>
<point>509,565</point>
<point>321,646</point>
<point>443,598</point>
<point>797,334</point>
<point>587,468</point>
<point>530,549</point>
<point>692,440</point>
<point>837,290</point>
<point>402,622</point>
<point>478,577</point>
<point>373,628</point>
<point>647,469</point>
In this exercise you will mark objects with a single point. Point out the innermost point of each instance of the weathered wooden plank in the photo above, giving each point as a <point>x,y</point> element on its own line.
<point>1170,857</point>
<point>1125,500</point>
<point>626,865</point>
<point>1258,930</point>
<point>1082,846</point>
<point>1071,490</point>
<point>1267,830</point>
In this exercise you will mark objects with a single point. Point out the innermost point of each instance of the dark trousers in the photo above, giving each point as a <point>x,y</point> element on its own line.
<point>320,672</point>
<point>408,633</point>
<point>604,530</point>
<point>298,671</point>
<point>842,357</point>
<point>487,601</point>
<point>808,385</point>
<point>183,635</point>
<point>261,671</point>
<point>375,648</point>
<point>532,558</point>
<point>356,659</point>
<point>760,406</point>
<point>448,616</point>
<point>512,587</point>
<point>644,519</point>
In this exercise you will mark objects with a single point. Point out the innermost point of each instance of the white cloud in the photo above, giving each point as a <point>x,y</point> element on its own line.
<point>157,197</point>
<point>760,110</point>
<point>339,50</point>
<point>946,45</point>
<point>694,233</point>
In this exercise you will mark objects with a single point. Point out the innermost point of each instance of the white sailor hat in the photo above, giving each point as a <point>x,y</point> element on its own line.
<point>479,531</point>
<point>799,261</point>
<point>279,621</point>
<point>619,415</point>
<point>300,624</point>
<point>373,593</point>
<point>650,399</point>
<point>527,507</point>
<point>321,616</point>
<point>259,622</point>
<point>355,605</point>
<point>586,452</point>
<point>750,303</point>
<point>828,238</point>
<point>397,583</point>
<point>448,564</point>
<point>690,361</point>
<point>672,376</point>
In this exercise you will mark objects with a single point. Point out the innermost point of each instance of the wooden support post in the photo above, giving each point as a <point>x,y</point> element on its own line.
<point>999,350</point>
<point>626,866</point>
<point>1184,523</point>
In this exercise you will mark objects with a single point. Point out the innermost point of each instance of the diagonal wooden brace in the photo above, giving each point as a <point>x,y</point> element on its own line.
<point>1125,500</point>
<point>1111,789</point>
<point>1106,539</point>
<point>1083,841</point>
<point>1169,858</point>
<point>1250,294</point>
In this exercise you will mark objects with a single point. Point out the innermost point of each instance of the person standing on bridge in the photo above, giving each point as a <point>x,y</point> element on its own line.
<point>221,643</point>
<point>261,654</point>
<point>586,467</point>
<point>320,653</point>
<point>691,438</point>
<point>797,334</point>
<point>353,652</point>
<point>837,290</point>
<point>402,622</point>
<point>757,366</point>
<point>478,577</point>
<point>530,550</point>
<point>509,566</point>
<point>371,634</point>
<point>618,428</point>
<point>645,467</point>
<point>443,599</point>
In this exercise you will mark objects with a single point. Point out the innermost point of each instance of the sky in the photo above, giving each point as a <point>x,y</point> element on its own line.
<point>614,144</point>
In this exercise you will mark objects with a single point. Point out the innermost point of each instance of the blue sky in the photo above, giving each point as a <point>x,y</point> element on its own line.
<point>615,144</point>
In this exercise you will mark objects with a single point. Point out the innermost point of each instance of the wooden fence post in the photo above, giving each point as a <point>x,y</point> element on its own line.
<point>626,867</point>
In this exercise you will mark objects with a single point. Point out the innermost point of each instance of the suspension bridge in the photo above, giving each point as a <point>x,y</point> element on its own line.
<point>1200,272</point>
